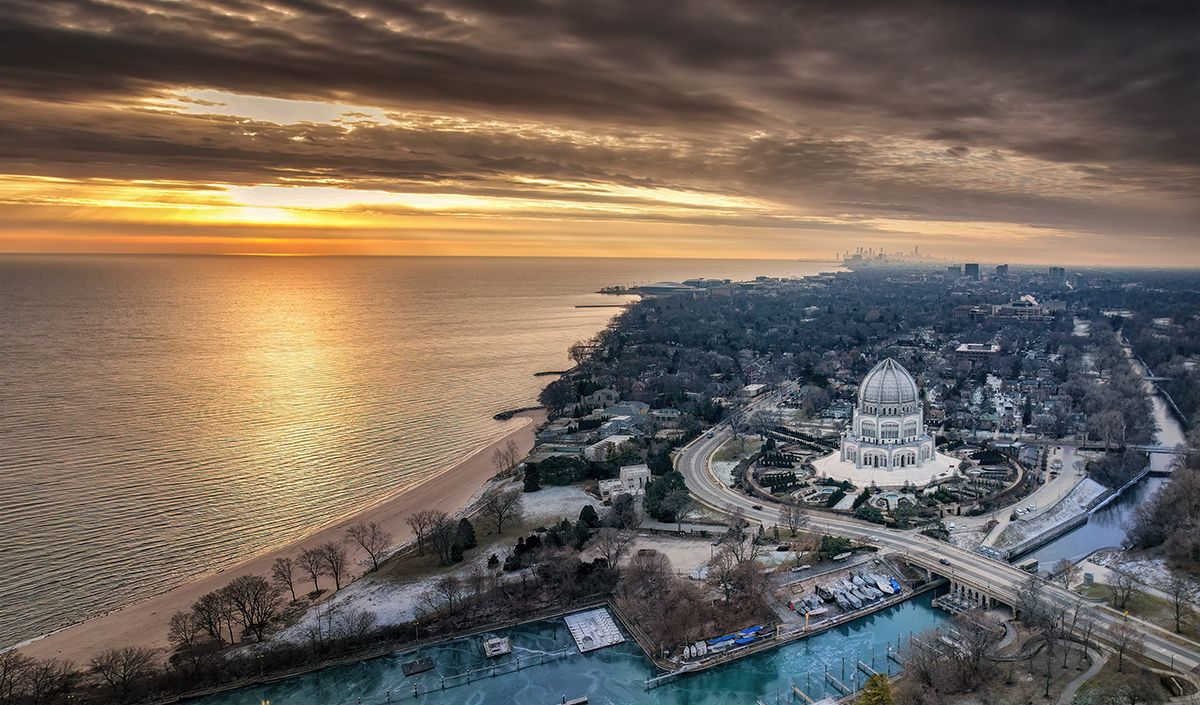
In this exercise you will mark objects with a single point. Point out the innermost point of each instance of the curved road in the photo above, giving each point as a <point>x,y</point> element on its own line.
<point>996,578</point>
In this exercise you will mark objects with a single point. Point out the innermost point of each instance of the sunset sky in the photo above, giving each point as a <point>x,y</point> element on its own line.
<point>1014,131</point>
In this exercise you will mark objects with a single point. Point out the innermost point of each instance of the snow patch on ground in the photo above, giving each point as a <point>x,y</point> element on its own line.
<point>723,469</point>
<point>403,601</point>
<point>1145,569</point>
<point>969,539</point>
<point>550,505</point>
<point>1077,502</point>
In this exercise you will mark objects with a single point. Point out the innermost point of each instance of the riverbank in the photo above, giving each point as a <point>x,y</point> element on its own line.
<point>145,624</point>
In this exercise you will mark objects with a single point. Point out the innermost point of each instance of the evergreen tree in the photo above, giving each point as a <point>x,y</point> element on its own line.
<point>876,691</point>
<point>465,537</point>
<point>580,535</point>
<point>656,494</point>
<point>533,478</point>
<point>660,462</point>
<point>588,516</point>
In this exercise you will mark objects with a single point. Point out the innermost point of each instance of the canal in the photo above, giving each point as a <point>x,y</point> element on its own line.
<point>615,675</point>
<point>1106,528</point>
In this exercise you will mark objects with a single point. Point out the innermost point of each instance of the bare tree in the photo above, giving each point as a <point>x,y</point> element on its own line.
<point>649,573</point>
<point>612,544</point>
<point>721,568</point>
<point>761,422</point>
<point>311,562</point>
<point>14,672</point>
<point>373,539</point>
<point>354,623</point>
<point>1089,627</point>
<point>505,459</point>
<point>283,572</point>
<point>1052,629</point>
<point>1064,572</point>
<point>1182,596</point>
<point>1123,586</point>
<point>335,561</point>
<point>1069,631</point>
<point>975,635</point>
<point>188,635</point>
<point>420,522</point>
<point>214,612</point>
<point>1031,603</point>
<point>123,668</point>
<point>48,677</point>
<point>441,537</point>
<point>256,601</point>
<point>449,590</point>
<point>480,582</point>
<point>793,515</point>
<point>500,507</point>
<point>744,549</point>
<point>1126,639</point>
<point>735,519</point>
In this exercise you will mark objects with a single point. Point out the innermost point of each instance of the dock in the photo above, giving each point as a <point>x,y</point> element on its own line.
<point>594,630</point>
<point>773,641</point>
<point>496,647</point>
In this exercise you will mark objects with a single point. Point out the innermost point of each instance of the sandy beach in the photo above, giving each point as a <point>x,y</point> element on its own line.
<point>145,623</point>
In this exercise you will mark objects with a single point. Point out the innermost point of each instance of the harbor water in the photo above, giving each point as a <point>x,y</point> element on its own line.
<point>611,676</point>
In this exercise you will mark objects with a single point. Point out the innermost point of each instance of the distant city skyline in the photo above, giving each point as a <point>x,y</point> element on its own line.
<point>1029,133</point>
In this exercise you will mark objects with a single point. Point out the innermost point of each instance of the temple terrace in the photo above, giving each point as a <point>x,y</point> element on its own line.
<point>886,443</point>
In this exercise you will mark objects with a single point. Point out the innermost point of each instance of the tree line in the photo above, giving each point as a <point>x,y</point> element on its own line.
<point>247,607</point>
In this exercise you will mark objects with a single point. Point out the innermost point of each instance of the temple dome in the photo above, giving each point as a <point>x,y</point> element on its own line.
<point>888,383</point>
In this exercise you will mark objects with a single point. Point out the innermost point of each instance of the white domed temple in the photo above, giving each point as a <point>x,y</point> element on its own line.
<point>886,442</point>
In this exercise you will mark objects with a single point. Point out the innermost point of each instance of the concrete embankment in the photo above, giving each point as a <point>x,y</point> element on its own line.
<point>1066,515</point>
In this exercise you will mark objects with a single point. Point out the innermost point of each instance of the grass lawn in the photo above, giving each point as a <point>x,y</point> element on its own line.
<point>1151,608</point>
<point>410,566</point>
<point>730,451</point>
<point>1110,681</point>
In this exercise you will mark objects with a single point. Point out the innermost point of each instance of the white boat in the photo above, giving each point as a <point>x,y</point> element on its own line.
<point>884,586</point>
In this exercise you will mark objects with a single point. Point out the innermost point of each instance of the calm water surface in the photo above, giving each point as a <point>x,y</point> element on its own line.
<point>1106,527</point>
<point>163,418</point>
<point>612,676</point>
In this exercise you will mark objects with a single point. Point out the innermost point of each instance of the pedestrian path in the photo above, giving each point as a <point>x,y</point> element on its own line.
<point>1098,660</point>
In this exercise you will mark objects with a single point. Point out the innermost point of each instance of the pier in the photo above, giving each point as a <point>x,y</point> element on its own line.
<point>772,641</point>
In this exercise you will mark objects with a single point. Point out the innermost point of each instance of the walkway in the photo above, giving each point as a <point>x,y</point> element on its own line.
<point>1098,660</point>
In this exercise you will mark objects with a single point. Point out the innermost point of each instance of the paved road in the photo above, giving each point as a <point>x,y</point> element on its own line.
<point>995,578</point>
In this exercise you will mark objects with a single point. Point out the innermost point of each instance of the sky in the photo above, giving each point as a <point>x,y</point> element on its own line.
<point>1015,131</point>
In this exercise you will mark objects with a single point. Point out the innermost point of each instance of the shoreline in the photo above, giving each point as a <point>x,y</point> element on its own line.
<point>145,623</point>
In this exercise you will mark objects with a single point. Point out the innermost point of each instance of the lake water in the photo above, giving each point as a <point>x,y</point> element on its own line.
<point>612,676</point>
<point>163,418</point>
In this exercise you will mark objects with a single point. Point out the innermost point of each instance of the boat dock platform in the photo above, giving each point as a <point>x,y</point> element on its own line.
<point>496,647</point>
<point>594,630</point>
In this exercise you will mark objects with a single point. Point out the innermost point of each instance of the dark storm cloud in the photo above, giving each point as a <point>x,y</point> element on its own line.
<point>61,51</point>
<point>824,106</point>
